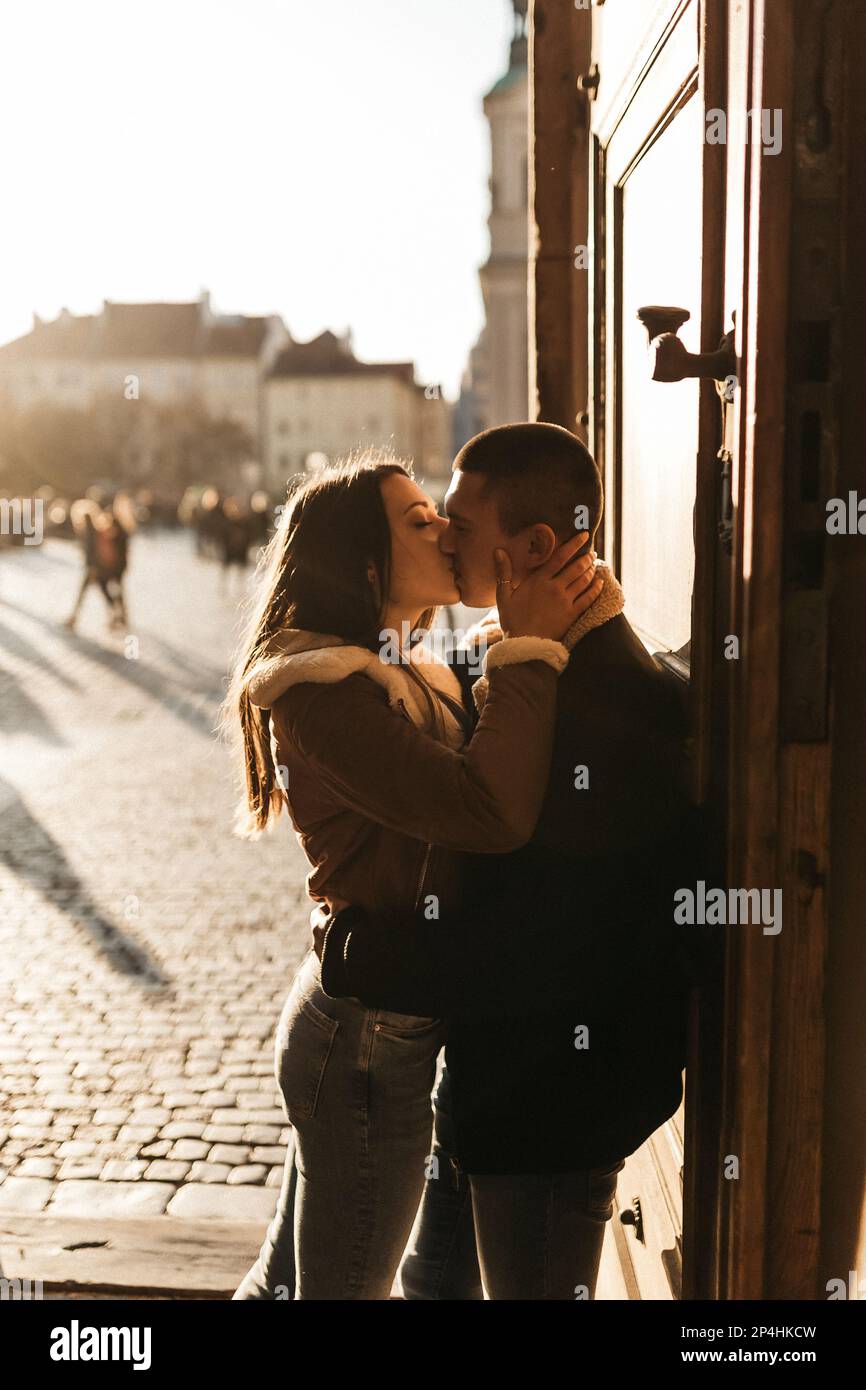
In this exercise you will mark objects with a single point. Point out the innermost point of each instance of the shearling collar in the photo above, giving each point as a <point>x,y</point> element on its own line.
<point>296,656</point>
<point>488,630</point>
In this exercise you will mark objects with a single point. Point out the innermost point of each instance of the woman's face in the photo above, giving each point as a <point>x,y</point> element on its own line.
<point>421,576</point>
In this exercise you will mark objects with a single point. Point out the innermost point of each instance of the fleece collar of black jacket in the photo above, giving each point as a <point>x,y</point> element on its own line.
<point>488,630</point>
<point>296,656</point>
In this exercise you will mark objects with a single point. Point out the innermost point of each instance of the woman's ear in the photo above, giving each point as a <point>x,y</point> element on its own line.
<point>373,581</point>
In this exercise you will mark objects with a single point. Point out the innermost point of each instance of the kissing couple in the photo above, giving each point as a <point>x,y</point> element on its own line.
<point>494,844</point>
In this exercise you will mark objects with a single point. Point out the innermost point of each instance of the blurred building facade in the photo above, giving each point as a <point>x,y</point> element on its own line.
<point>169,353</point>
<point>319,399</point>
<point>292,399</point>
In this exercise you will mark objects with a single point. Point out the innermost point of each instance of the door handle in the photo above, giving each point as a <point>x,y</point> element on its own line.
<point>673,361</point>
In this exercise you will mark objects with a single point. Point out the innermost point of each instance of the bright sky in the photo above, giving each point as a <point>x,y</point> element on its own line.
<point>324,159</point>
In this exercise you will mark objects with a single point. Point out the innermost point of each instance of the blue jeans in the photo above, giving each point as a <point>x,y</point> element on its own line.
<point>356,1086</point>
<point>512,1236</point>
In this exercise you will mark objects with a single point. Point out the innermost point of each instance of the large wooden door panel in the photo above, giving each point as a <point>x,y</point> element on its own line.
<point>658,241</point>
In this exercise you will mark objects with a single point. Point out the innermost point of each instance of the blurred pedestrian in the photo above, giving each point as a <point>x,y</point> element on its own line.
<point>208,523</point>
<point>235,537</point>
<point>104,532</point>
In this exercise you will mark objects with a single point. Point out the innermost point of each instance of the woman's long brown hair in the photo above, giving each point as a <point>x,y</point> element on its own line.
<point>313,575</point>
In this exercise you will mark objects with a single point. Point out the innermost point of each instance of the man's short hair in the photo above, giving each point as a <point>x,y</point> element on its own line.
<point>536,473</point>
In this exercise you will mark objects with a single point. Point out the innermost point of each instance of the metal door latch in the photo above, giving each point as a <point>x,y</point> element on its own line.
<point>632,1216</point>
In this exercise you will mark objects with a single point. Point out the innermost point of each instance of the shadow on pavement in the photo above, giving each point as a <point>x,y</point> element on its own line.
<point>156,683</point>
<point>34,856</point>
<point>19,714</point>
<point>18,646</point>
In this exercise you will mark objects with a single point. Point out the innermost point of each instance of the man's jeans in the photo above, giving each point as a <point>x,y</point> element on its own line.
<point>356,1086</point>
<point>355,1172</point>
<point>521,1236</point>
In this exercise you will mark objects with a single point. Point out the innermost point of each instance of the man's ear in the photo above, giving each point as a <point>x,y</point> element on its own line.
<point>541,543</point>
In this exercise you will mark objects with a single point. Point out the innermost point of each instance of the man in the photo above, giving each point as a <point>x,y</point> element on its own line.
<point>562,980</point>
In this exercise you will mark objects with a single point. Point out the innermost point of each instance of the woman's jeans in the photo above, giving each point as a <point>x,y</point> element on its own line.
<point>356,1086</point>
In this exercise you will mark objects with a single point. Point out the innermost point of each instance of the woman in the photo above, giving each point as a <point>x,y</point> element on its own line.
<point>368,757</point>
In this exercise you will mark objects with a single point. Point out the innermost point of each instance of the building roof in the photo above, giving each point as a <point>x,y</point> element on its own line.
<point>139,330</point>
<point>328,355</point>
<point>149,330</point>
<point>240,337</point>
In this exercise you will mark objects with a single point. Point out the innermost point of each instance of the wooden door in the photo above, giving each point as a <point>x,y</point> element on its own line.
<point>656,185</point>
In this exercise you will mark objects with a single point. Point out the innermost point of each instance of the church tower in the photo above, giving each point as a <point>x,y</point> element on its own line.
<point>495,387</point>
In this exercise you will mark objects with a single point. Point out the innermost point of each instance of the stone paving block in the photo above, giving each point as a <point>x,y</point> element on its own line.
<point>164,1170</point>
<point>38,1118</point>
<point>150,1115</point>
<point>36,1168</point>
<point>216,1098</point>
<point>229,1153</point>
<point>220,1202</point>
<point>249,1117</point>
<point>182,1129</point>
<point>46,1149</point>
<point>209,1172</point>
<point>248,1173</point>
<point>126,1152</point>
<point>258,1100</point>
<point>25,1195</point>
<point>116,1170</point>
<point>189,1149</point>
<point>63,1100</point>
<point>261,1134</point>
<point>110,1199</point>
<point>223,1134</point>
<point>157,1150</point>
<point>81,1167</point>
<point>110,1117</point>
<point>268,1153</point>
<point>137,1134</point>
<point>26,1131</point>
<point>201,1067</point>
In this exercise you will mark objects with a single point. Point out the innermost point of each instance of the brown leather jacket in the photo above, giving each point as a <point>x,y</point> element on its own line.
<point>381,799</point>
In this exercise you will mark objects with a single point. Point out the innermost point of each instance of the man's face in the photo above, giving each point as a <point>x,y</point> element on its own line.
<point>472,534</point>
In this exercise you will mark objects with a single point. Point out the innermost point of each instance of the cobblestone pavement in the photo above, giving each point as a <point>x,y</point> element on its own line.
<point>145,952</point>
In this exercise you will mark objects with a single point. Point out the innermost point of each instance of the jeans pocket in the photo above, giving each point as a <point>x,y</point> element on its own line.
<point>404,1026</point>
<point>304,1046</point>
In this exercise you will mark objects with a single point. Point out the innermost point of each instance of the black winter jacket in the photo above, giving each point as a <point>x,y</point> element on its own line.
<point>564,979</point>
